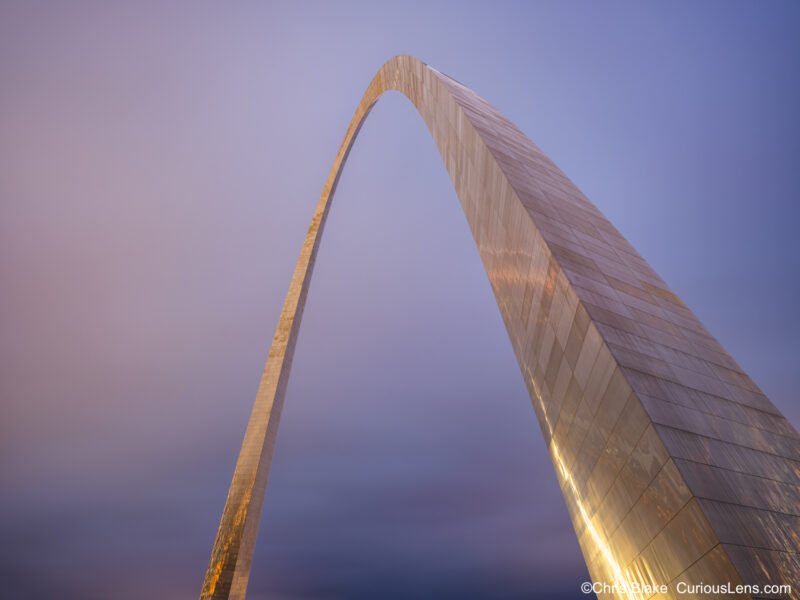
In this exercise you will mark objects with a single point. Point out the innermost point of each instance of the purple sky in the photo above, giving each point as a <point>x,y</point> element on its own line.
<point>158,169</point>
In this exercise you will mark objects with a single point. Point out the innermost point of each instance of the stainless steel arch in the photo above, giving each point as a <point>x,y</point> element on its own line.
<point>663,446</point>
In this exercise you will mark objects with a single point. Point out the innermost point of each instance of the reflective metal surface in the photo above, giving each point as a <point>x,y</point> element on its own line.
<point>675,467</point>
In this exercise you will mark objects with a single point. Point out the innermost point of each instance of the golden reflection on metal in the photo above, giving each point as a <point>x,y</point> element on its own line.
<point>673,464</point>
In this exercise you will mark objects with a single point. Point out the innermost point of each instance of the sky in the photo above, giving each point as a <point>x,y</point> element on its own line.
<point>159,165</point>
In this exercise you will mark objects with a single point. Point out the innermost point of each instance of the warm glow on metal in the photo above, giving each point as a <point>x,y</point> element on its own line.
<point>654,430</point>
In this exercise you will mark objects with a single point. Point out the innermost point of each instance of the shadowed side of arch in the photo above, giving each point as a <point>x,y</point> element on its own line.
<point>658,438</point>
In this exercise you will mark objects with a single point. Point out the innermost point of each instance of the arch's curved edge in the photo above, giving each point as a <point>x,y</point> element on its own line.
<point>674,465</point>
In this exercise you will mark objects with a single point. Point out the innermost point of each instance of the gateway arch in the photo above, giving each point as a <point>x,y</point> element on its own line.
<point>675,467</point>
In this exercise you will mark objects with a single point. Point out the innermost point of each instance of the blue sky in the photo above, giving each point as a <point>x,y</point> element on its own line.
<point>159,165</point>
